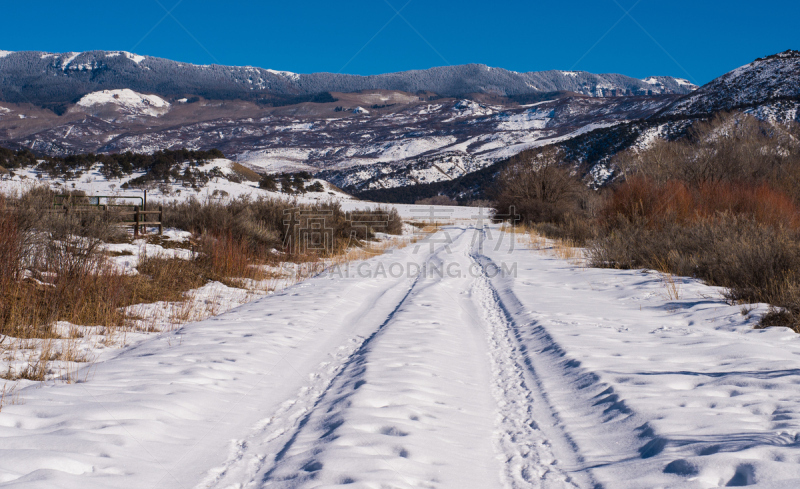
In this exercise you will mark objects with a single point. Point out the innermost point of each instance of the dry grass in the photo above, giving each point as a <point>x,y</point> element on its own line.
<point>567,250</point>
<point>671,286</point>
<point>53,268</point>
<point>9,395</point>
<point>245,172</point>
<point>563,248</point>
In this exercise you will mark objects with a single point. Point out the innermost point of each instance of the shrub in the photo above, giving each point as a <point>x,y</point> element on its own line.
<point>730,147</point>
<point>52,265</point>
<point>539,189</point>
<point>721,204</point>
<point>263,224</point>
<point>644,201</point>
<point>755,261</point>
<point>315,187</point>
<point>267,182</point>
<point>437,200</point>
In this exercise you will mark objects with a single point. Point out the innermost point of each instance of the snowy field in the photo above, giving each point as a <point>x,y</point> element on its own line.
<point>93,182</point>
<point>465,360</point>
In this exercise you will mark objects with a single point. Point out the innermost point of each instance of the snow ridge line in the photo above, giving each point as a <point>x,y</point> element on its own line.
<point>528,458</point>
<point>294,414</point>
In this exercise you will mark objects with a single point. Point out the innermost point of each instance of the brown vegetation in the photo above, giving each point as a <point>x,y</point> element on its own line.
<point>722,204</point>
<point>540,189</point>
<point>53,267</point>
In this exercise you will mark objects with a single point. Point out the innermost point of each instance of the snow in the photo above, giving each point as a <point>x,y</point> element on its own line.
<point>69,58</point>
<point>275,160</point>
<point>555,375</point>
<point>3,54</point>
<point>402,149</point>
<point>127,263</point>
<point>127,100</point>
<point>528,120</point>
<point>134,57</point>
<point>470,108</point>
<point>360,110</point>
<point>94,183</point>
<point>286,74</point>
<point>421,213</point>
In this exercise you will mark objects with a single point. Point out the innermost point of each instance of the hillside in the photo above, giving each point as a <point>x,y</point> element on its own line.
<point>772,80</point>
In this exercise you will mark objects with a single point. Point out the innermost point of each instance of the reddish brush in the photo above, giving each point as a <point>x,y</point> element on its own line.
<point>640,199</point>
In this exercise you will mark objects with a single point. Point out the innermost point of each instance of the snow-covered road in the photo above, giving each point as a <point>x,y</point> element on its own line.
<point>466,360</point>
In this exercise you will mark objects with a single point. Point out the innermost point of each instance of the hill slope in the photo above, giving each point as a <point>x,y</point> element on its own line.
<point>768,80</point>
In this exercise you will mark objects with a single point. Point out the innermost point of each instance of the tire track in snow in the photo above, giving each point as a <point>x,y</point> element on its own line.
<point>588,424</point>
<point>354,361</point>
<point>274,435</point>
<point>249,460</point>
<point>528,458</point>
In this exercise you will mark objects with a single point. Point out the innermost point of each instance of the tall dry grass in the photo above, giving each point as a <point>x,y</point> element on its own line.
<point>264,224</point>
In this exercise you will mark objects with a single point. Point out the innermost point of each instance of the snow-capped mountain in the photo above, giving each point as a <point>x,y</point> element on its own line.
<point>765,81</point>
<point>60,78</point>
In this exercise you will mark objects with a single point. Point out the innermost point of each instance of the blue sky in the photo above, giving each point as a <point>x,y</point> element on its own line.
<point>698,40</point>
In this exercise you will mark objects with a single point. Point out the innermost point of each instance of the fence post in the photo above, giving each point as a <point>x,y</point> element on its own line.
<point>136,221</point>
<point>161,220</point>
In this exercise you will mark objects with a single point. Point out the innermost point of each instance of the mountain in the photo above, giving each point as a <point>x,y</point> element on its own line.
<point>773,80</point>
<point>54,79</point>
<point>444,130</point>
<point>768,88</point>
<point>364,140</point>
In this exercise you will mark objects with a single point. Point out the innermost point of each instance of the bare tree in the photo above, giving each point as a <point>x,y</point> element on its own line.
<point>539,188</point>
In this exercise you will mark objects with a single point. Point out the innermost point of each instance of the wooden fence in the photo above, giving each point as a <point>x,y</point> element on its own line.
<point>136,217</point>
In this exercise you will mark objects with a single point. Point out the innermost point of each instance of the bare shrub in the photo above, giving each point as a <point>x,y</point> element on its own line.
<point>641,200</point>
<point>437,200</point>
<point>263,224</point>
<point>539,189</point>
<point>722,205</point>
<point>756,262</point>
<point>53,267</point>
<point>579,230</point>
<point>729,147</point>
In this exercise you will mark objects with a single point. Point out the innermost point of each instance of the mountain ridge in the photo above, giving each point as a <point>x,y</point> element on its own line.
<point>48,79</point>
